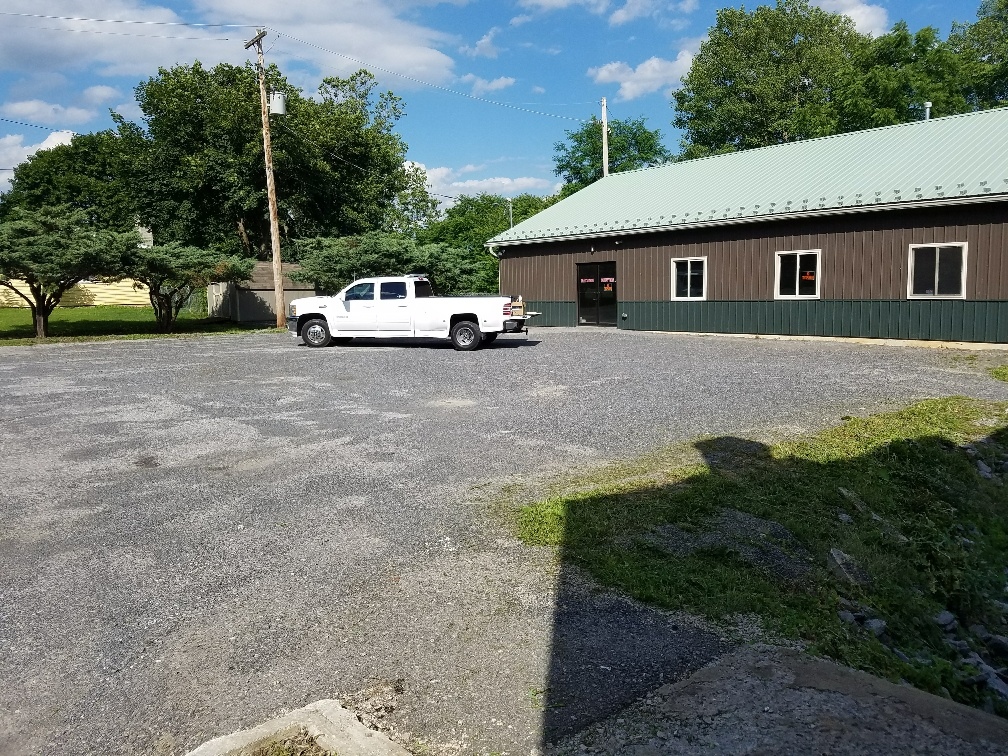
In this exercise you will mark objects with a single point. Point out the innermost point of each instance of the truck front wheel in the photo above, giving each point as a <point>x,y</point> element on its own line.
<point>316,333</point>
<point>466,336</point>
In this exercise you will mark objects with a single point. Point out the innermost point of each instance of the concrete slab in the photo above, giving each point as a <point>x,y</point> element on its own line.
<point>333,727</point>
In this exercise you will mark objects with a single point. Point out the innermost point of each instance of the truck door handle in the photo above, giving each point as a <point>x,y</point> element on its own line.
<point>401,306</point>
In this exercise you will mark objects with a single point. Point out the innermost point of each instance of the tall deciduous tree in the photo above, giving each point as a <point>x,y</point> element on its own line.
<point>766,77</point>
<point>91,173</point>
<point>632,145</point>
<point>53,248</point>
<point>339,164</point>
<point>984,47</point>
<point>471,222</point>
<point>897,73</point>
<point>173,272</point>
<point>414,208</point>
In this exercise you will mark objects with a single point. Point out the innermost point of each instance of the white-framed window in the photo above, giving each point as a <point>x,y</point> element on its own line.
<point>937,271</point>
<point>797,274</point>
<point>689,278</point>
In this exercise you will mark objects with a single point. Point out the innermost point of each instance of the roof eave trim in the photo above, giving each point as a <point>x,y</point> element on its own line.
<point>849,210</point>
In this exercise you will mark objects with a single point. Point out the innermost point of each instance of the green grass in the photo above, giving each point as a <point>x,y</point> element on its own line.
<point>1000,372</point>
<point>910,468</point>
<point>101,322</point>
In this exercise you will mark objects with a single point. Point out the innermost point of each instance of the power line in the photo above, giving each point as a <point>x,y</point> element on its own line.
<point>421,81</point>
<point>124,21</point>
<point>127,34</point>
<point>34,125</point>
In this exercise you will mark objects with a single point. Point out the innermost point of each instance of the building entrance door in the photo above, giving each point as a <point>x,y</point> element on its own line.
<point>597,303</point>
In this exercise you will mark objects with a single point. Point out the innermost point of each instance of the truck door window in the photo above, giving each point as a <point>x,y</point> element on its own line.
<point>422,288</point>
<point>362,291</point>
<point>393,290</point>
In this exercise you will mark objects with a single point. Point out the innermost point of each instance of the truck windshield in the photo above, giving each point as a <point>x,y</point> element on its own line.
<point>422,288</point>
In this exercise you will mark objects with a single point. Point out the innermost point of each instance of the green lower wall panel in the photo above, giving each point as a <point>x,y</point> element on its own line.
<point>938,320</point>
<point>553,313</point>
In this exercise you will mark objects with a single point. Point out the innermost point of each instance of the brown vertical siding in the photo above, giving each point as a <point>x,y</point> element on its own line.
<point>864,256</point>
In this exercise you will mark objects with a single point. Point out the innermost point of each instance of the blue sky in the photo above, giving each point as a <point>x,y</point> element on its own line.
<point>550,61</point>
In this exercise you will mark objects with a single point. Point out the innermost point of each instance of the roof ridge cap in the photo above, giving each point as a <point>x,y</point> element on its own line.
<point>907,124</point>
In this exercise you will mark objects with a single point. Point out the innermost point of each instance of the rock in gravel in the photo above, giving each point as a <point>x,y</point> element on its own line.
<point>959,646</point>
<point>844,567</point>
<point>994,681</point>
<point>984,469</point>
<point>946,621</point>
<point>980,632</point>
<point>998,644</point>
<point>853,498</point>
<point>877,627</point>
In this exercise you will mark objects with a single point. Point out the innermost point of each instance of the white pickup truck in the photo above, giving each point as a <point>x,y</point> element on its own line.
<point>403,307</point>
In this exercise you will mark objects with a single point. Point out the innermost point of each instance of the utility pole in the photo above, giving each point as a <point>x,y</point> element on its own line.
<point>510,213</point>
<point>605,139</point>
<point>278,290</point>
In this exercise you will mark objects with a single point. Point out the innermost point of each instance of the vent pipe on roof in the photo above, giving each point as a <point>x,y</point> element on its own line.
<point>605,139</point>
<point>927,111</point>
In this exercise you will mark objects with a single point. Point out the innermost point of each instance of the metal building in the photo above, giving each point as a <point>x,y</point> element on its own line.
<point>897,232</point>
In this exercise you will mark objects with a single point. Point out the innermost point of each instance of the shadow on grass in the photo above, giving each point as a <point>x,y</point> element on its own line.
<point>106,322</point>
<point>748,532</point>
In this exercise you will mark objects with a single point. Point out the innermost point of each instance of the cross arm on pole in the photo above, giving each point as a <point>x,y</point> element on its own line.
<point>256,39</point>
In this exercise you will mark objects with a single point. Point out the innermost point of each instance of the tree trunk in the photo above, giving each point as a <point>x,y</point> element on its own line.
<point>41,325</point>
<point>164,313</point>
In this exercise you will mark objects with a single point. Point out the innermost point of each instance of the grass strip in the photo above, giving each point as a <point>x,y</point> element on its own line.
<point>749,530</point>
<point>103,322</point>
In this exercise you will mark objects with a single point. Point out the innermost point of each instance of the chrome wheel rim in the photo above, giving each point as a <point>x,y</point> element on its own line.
<point>465,336</point>
<point>315,334</point>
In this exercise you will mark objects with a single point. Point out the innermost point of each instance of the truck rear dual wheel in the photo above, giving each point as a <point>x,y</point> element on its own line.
<point>466,336</point>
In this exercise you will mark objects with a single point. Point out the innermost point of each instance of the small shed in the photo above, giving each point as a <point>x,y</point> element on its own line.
<point>253,301</point>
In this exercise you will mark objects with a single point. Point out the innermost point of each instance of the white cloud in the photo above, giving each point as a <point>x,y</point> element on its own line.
<point>101,94</point>
<point>595,6</point>
<point>485,48</point>
<point>130,111</point>
<point>369,31</point>
<point>503,185</point>
<point>39,111</point>
<point>13,152</point>
<point>538,90</point>
<point>632,10</point>
<point>869,19</point>
<point>650,76</point>
<point>482,86</point>
<point>447,182</point>
<point>520,20</point>
<point>687,6</point>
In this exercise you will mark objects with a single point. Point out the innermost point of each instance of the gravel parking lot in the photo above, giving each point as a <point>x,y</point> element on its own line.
<point>198,534</point>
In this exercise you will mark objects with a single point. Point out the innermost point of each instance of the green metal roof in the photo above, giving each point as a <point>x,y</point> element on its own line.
<point>956,158</point>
